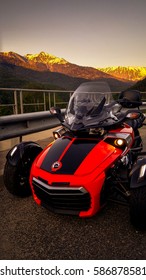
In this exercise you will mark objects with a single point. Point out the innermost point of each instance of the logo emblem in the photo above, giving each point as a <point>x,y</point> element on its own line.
<point>56,165</point>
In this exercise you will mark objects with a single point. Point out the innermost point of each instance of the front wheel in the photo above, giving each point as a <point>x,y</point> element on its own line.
<point>16,180</point>
<point>16,176</point>
<point>138,207</point>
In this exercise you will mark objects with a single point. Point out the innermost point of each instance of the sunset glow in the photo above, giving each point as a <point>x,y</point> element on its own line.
<point>93,33</point>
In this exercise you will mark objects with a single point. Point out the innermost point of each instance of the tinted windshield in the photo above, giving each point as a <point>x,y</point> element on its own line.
<point>89,105</point>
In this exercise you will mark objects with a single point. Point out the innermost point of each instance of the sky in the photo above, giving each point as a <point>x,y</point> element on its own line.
<point>97,33</point>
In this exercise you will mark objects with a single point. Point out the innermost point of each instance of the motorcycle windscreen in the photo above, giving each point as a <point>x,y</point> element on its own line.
<point>89,105</point>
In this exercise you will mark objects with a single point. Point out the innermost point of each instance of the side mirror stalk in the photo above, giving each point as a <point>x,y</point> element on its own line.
<point>57,112</point>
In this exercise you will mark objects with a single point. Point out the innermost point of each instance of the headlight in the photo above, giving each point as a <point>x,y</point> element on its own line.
<point>119,142</point>
<point>58,133</point>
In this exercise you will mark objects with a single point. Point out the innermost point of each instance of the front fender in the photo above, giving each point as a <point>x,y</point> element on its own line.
<point>138,173</point>
<point>17,152</point>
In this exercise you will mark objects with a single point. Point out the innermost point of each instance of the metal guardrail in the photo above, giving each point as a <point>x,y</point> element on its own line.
<point>24,124</point>
<point>18,125</point>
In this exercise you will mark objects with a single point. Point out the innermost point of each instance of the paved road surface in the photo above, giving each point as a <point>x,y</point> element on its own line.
<point>28,231</point>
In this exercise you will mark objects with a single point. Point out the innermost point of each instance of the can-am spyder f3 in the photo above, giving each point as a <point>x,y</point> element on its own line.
<point>96,156</point>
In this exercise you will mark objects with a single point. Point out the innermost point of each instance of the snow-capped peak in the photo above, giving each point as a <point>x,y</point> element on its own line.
<point>126,72</point>
<point>45,58</point>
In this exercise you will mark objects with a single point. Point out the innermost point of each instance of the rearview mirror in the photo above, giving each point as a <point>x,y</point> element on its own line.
<point>56,112</point>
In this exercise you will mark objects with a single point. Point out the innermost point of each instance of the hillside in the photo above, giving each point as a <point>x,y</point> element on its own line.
<point>44,69</point>
<point>140,85</point>
<point>46,62</point>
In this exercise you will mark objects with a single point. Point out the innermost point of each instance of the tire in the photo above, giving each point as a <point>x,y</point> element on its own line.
<point>138,207</point>
<point>16,178</point>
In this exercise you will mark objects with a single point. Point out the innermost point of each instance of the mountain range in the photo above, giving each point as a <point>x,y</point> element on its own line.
<point>128,73</point>
<point>48,70</point>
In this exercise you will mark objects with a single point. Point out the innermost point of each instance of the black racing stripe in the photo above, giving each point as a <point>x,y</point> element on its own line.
<point>54,153</point>
<point>75,155</point>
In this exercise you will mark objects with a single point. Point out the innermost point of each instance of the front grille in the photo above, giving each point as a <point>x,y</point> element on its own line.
<point>62,198</point>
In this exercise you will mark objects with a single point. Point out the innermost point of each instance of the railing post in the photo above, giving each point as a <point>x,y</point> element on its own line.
<point>15,103</point>
<point>21,102</point>
<point>44,95</point>
<point>54,99</point>
<point>49,99</point>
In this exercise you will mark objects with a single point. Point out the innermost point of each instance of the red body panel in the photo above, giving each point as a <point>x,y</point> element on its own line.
<point>90,174</point>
